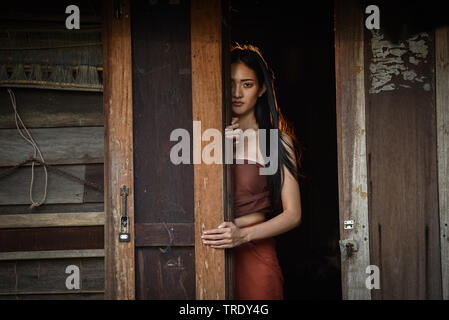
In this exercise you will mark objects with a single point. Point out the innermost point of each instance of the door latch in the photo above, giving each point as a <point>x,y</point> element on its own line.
<point>124,219</point>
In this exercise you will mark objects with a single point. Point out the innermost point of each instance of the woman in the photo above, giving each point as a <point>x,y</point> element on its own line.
<point>258,197</point>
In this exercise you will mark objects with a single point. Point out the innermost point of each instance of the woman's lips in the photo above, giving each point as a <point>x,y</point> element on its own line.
<point>237,104</point>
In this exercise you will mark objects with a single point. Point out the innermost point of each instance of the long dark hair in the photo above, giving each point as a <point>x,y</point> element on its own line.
<point>269,116</point>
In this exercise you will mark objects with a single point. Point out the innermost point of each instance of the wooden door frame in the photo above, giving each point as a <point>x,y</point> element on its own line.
<point>211,201</point>
<point>351,140</point>
<point>118,162</point>
<point>442,123</point>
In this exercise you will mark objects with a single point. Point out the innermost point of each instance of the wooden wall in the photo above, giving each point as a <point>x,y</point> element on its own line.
<point>37,245</point>
<point>402,163</point>
<point>68,227</point>
<point>351,136</point>
<point>398,78</point>
<point>442,106</point>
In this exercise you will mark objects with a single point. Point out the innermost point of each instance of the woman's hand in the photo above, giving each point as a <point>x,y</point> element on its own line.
<point>228,235</point>
<point>232,131</point>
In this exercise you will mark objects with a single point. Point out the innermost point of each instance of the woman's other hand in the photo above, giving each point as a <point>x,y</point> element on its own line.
<point>227,235</point>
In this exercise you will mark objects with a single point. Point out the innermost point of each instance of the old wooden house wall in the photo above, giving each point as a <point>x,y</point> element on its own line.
<point>402,163</point>
<point>442,106</point>
<point>402,78</point>
<point>36,246</point>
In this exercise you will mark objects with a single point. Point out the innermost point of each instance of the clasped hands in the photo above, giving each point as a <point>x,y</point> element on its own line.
<point>227,235</point>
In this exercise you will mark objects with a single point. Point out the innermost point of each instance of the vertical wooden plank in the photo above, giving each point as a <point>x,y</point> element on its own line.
<point>442,111</point>
<point>402,170</point>
<point>207,100</point>
<point>164,191</point>
<point>117,78</point>
<point>227,117</point>
<point>351,136</point>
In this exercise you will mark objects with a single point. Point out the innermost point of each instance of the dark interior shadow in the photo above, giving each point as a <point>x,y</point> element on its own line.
<point>298,43</point>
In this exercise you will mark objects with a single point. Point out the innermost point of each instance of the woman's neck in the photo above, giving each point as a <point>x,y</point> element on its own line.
<point>248,121</point>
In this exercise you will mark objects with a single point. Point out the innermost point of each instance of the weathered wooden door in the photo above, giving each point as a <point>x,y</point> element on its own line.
<point>165,255</point>
<point>389,88</point>
<point>176,54</point>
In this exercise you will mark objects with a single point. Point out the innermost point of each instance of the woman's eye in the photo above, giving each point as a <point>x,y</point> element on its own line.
<point>247,85</point>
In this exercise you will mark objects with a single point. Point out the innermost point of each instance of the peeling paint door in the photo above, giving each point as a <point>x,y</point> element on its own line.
<point>402,157</point>
<point>387,143</point>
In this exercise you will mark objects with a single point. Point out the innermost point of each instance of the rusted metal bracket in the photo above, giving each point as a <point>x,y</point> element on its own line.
<point>348,248</point>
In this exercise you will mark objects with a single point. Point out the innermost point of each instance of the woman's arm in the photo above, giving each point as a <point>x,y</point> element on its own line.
<point>291,202</point>
<point>229,235</point>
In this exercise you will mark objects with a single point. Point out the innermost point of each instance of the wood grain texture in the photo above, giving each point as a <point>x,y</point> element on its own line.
<point>58,145</point>
<point>52,108</point>
<point>52,220</point>
<point>55,238</point>
<point>49,276</point>
<point>442,106</point>
<point>206,42</point>
<point>52,208</point>
<point>61,189</point>
<point>403,193</point>
<point>171,269</point>
<point>94,174</point>
<point>169,234</point>
<point>52,254</point>
<point>118,109</point>
<point>351,136</point>
<point>162,103</point>
<point>15,188</point>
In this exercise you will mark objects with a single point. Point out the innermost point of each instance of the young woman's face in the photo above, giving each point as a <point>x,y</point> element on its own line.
<point>245,89</point>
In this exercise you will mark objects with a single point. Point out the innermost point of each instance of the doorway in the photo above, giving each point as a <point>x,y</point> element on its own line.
<point>299,47</point>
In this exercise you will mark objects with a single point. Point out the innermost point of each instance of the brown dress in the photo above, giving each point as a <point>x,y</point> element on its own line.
<point>258,275</point>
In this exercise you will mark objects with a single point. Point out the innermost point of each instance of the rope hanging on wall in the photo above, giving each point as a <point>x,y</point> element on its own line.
<point>34,160</point>
<point>36,149</point>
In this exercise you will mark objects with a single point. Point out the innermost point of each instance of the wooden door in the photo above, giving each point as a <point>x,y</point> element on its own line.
<point>402,157</point>
<point>176,79</point>
<point>164,223</point>
<point>389,88</point>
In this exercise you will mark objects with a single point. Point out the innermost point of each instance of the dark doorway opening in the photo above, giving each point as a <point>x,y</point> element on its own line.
<point>297,41</point>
